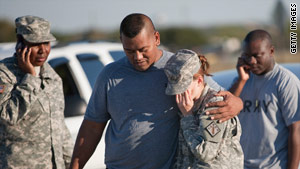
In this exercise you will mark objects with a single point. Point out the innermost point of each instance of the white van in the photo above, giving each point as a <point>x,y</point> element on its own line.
<point>79,64</point>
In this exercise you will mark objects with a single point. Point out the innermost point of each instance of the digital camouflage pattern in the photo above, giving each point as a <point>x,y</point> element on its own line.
<point>34,29</point>
<point>180,69</point>
<point>205,143</point>
<point>33,133</point>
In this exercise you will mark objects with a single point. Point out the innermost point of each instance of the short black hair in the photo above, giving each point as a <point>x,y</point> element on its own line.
<point>133,23</point>
<point>258,34</point>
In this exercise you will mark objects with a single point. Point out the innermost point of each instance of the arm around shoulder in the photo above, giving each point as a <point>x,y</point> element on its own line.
<point>226,109</point>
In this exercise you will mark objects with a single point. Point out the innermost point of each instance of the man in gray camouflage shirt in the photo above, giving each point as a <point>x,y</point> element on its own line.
<point>33,133</point>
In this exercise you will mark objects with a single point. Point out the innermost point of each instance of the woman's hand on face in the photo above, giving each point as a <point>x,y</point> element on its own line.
<point>185,102</point>
<point>24,60</point>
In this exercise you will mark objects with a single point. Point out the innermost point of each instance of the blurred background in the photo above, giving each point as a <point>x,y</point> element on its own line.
<point>214,28</point>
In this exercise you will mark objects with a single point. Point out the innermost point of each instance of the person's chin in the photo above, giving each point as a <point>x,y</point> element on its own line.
<point>38,63</point>
<point>141,68</point>
<point>256,72</point>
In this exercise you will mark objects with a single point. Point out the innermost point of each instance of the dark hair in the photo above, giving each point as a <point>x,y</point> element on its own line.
<point>258,34</point>
<point>20,39</point>
<point>204,67</point>
<point>132,24</point>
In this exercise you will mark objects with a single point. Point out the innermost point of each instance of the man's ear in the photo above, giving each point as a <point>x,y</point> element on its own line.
<point>157,38</point>
<point>272,50</point>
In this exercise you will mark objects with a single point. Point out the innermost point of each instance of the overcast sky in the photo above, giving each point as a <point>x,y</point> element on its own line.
<point>77,15</point>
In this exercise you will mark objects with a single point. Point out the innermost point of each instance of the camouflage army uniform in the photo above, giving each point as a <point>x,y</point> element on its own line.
<point>33,133</point>
<point>204,143</point>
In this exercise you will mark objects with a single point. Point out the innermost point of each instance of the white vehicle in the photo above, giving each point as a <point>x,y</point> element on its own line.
<point>78,65</point>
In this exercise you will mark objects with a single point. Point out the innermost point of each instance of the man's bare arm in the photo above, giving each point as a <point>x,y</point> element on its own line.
<point>237,88</point>
<point>87,140</point>
<point>243,72</point>
<point>294,146</point>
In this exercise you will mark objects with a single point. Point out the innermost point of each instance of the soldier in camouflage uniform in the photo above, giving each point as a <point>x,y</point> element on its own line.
<point>203,143</point>
<point>33,133</point>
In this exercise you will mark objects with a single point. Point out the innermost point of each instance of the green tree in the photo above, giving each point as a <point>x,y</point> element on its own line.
<point>7,31</point>
<point>176,38</point>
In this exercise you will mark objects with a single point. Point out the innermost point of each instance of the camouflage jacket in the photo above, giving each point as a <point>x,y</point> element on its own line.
<point>33,133</point>
<point>205,143</point>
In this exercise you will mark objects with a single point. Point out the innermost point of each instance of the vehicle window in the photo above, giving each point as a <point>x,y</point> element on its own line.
<point>62,69</point>
<point>117,54</point>
<point>91,65</point>
<point>74,104</point>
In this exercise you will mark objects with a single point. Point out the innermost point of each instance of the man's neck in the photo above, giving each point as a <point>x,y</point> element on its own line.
<point>158,54</point>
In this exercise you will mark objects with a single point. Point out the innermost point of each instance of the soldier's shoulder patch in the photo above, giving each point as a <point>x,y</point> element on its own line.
<point>2,87</point>
<point>213,129</point>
